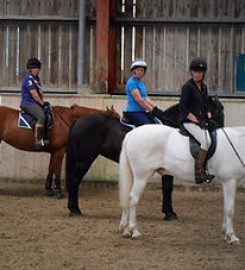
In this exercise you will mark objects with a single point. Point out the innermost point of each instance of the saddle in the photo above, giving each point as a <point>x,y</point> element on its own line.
<point>125,120</point>
<point>194,145</point>
<point>26,120</point>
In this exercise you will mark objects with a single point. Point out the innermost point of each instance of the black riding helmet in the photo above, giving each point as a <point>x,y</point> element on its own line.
<point>198,64</point>
<point>33,63</point>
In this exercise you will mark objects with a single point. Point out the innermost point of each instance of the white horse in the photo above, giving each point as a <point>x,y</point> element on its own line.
<point>157,148</point>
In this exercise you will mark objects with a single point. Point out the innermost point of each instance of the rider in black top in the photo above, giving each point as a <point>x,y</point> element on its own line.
<point>195,114</point>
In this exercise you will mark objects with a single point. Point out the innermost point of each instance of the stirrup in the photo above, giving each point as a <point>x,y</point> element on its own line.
<point>210,178</point>
<point>201,177</point>
<point>38,145</point>
<point>44,142</point>
<point>41,144</point>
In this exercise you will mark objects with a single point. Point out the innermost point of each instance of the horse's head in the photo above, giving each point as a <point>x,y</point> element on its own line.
<point>112,112</point>
<point>217,110</point>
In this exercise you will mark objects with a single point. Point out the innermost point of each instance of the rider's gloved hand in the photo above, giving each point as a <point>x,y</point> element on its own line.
<point>156,112</point>
<point>46,104</point>
<point>212,123</point>
<point>203,124</point>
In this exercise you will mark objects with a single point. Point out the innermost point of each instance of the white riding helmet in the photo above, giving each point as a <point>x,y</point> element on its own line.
<point>139,63</point>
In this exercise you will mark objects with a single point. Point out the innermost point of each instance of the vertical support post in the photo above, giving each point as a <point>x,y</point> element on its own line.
<point>232,51</point>
<point>105,47</point>
<point>80,46</point>
<point>112,53</point>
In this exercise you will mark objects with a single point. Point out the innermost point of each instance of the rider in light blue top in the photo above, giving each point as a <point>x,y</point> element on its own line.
<point>138,102</point>
<point>132,84</point>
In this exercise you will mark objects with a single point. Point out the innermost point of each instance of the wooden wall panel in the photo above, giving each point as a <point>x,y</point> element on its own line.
<point>52,42</point>
<point>170,45</point>
<point>28,7</point>
<point>3,4</point>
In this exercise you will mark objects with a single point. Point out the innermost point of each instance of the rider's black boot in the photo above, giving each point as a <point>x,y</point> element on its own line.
<point>200,172</point>
<point>38,137</point>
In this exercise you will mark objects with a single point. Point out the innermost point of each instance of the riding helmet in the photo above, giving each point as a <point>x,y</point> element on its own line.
<point>198,64</point>
<point>33,63</point>
<point>138,63</point>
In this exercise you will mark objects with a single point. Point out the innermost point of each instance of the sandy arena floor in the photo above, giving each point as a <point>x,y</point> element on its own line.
<point>37,233</point>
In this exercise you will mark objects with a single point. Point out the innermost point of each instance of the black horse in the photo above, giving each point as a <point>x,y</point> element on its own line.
<point>97,134</point>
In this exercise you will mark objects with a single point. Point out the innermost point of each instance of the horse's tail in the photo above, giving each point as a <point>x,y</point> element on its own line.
<point>125,178</point>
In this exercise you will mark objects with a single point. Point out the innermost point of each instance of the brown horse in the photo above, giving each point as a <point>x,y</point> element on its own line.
<point>23,139</point>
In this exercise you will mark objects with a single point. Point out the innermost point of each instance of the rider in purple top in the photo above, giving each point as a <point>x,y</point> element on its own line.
<point>30,82</point>
<point>32,101</point>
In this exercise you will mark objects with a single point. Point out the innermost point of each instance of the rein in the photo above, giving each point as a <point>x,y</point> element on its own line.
<point>233,147</point>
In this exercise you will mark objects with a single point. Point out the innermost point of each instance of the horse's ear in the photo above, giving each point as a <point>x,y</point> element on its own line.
<point>218,103</point>
<point>74,105</point>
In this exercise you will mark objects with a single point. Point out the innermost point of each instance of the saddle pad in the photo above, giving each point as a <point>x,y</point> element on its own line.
<point>23,120</point>
<point>125,122</point>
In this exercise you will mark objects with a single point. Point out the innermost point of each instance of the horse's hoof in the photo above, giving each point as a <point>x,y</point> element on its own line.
<point>59,195</point>
<point>232,240</point>
<point>75,213</point>
<point>170,216</point>
<point>136,234</point>
<point>49,193</point>
<point>127,233</point>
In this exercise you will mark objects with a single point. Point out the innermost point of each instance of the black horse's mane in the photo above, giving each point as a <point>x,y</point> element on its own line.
<point>170,116</point>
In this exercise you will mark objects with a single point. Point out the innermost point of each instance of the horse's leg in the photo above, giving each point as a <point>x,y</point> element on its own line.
<point>55,165</point>
<point>229,192</point>
<point>167,189</point>
<point>137,189</point>
<point>124,220</point>
<point>48,185</point>
<point>57,171</point>
<point>73,181</point>
<point>73,196</point>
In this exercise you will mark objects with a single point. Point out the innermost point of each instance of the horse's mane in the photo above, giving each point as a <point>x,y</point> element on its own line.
<point>172,109</point>
<point>77,111</point>
<point>5,108</point>
<point>60,109</point>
